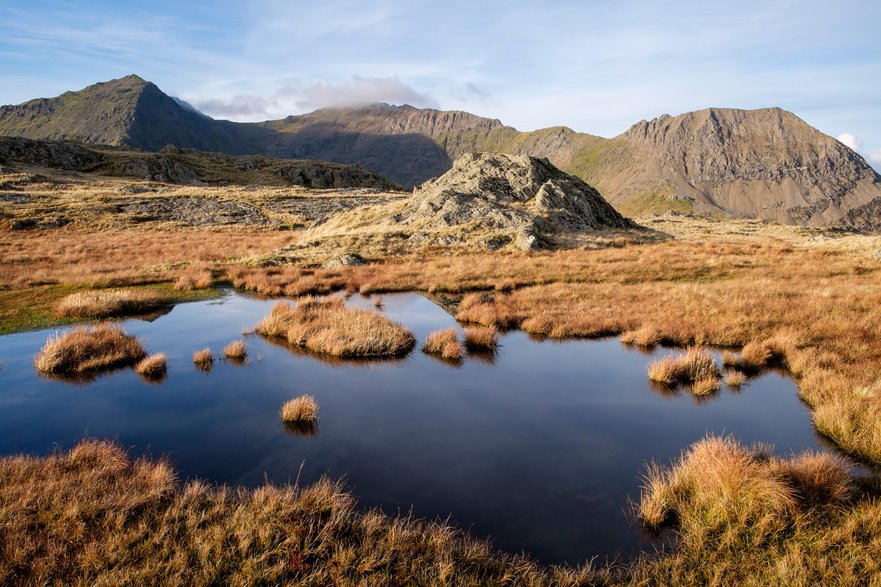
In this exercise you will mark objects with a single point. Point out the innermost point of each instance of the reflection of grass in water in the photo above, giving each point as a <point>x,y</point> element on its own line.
<point>301,428</point>
<point>485,356</point>
<point>334,361</point>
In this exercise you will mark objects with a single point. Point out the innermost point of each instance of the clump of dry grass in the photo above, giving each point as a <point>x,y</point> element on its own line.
<point>484,338</point>
<point>735,378</point>
<point>101,518</point>
<point>303,409</point>
<point>327,326</point>
<point>107,302</point>
<point>706,386</point>
<point>695,367</point>
<point>444,343</point>
<point>742,512</point>
<point>236,351</point>
<point>203,359</point>
<point>761,354</point>
<point>84,350</point>
<point>194,279</point>
<point>154,366</point>
<point>645,336</point>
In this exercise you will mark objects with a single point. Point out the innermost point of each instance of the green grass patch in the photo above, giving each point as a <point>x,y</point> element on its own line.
<point>33,308</point>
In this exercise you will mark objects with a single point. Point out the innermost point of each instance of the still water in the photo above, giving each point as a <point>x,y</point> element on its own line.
<point>539,447</point>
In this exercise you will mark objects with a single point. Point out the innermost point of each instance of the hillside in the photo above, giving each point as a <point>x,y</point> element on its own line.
<point>186,166</point>
<point>766,163</point>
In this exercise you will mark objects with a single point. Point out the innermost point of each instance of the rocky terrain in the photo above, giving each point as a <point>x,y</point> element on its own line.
<point>186,166</point>
<point>487,201</point>
<point>765,164</point>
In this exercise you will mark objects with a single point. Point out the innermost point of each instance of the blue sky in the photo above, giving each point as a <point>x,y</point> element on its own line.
<point>595,66</point>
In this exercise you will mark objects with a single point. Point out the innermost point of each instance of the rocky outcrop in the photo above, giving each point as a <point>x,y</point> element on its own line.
<point>490,201</point>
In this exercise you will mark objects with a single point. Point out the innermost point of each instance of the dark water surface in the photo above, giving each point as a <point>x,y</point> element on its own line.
<point>539,448</point>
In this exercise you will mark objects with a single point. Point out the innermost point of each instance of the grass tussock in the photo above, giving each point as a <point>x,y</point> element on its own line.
<point>735,379</point>
<point>154,366</point>
<point>744,516</point>
<point>93,516</point>
<point>327,326</point>
<point>301,409</point>
<point>484,338</point>
<point>695,367</point>
<point>203,359</point>
<point>445,344</point>
<point>646,336</point>
<point>194,279</point>
<point>85,350</point>
<point>107,303</point>
<point>758,355</point>
<point>235,351</point>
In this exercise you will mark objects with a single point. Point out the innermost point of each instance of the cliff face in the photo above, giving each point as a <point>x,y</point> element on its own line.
<point>765,163</point>
<point>761,163</point>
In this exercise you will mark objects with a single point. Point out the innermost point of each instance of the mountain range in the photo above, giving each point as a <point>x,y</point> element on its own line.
<point>765,163</point>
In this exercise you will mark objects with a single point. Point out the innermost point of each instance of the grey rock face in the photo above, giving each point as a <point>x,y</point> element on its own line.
<point>345,260</point>
<point>524,195</point>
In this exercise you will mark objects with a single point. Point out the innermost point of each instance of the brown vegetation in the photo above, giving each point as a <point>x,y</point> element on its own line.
<point>445,344</point>
<point>302,409</point>
<point>84,350</point>
<point>195,279</point>
<point>695,367</point>
<point>484,338</point>
<point>236,351</point>
<point>153,366</point>
<point>92,516</point>
<point>645,336</point>
<point>327,326</point>
<point>204,359</point>
<point>734,378</point>
<point>109,302</point>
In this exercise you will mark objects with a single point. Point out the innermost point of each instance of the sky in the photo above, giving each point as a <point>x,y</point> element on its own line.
<point>596,66</point>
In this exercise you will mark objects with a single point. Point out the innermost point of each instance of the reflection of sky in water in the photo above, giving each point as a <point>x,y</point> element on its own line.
<point>539,448</point>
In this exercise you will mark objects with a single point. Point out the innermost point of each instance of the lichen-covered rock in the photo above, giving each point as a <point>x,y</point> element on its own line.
<point>345,260</point>
<point>527,196</point>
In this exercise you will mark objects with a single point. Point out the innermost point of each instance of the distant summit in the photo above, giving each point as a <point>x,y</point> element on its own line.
<point>766,163</point>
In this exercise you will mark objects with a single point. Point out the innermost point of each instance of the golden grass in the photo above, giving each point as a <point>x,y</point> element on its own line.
<point>106,303</point>
<point>327,326</point>
<point>645,336</point>
<point>153,366</point>
<point>195,279</point>
<point>705,386</point>
<point>445,344</point>
<point>696,367</point>
<point>93,516</point>
<point>484,338</point>
<point>204,359</point>
<point>734,378</point>
<point>302,409</point>
<point>84,350</point>
<point>236,350</point>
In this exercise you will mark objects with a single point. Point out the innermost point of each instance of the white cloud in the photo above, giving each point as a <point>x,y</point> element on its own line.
<point>851,140</point>
<point>357,92</point>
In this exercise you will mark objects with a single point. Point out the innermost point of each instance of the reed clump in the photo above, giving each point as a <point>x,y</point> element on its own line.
<point>696,367</point>
<point>108,302</point>
<point>646,336</point>
<point>154,366</point>
<point>327,326</point>
<point>302,409</point>
<point>445,344</point>
<point>236,351</point>
<point>85,350</point>
<point>483,338</point>
<point>204,358</point>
